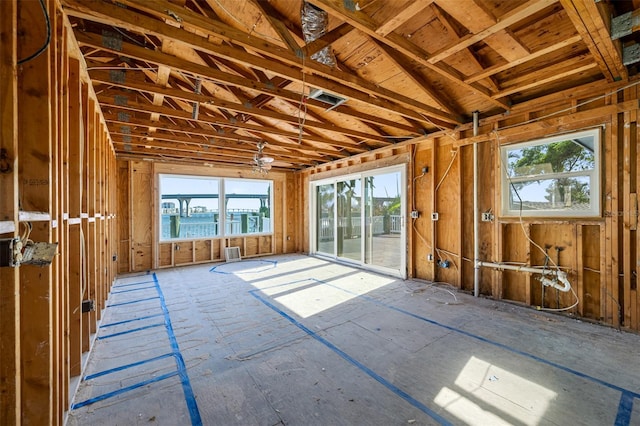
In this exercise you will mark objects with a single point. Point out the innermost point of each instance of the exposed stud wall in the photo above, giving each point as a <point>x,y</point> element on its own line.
<point>600,255</point>
<point>57,148</point>
<point>139,238</point>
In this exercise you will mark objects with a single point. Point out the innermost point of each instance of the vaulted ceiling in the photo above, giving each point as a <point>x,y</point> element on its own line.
<point>206,81</point>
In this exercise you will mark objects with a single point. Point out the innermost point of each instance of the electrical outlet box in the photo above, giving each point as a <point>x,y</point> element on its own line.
<point>10,252</point>
<point>435,216</point>
<point>487,217</point>
<point>415,214</point>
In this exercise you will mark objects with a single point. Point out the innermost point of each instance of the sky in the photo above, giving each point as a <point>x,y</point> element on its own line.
<point>196,185</point>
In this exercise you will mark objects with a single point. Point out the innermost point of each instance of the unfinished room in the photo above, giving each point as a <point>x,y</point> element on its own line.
<point>319,212</point>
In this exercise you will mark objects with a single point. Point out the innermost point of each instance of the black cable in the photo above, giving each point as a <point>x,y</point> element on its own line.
<point>47,41</point>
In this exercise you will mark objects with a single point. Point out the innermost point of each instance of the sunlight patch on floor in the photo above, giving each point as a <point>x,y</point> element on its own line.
<point>309,297</point>
<point>486,394</point>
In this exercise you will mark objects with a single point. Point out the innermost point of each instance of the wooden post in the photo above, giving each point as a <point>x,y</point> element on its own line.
<point>35,142</point>
<point>74,221</point>
<point>10,372</point>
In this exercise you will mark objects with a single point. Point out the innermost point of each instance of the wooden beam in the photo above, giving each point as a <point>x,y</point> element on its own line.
<point>363,23</point>
<point>278,26</point>
<point>476,19</point>
<point>108,102</point>
<point>35,174</point>
<point>10,347</point>
<point>594,30</point>
<point>327,39</point>
<point>250,107</point>
<point>448,22</point>
<point>287,65</point>
<point>410,10</point>
<point>401,62</point>
<point>487,72</point>
<point>220,136</point>
<point>562,72</point>
<point>163,141</point>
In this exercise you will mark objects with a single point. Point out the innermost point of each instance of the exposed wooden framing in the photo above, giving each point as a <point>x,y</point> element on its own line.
<point>411,10</point>
<point>73,190</point>
<point>363,23</point>
<point>84,215</point>
<point>339,83</point>
<point>445,21</point>
<point>567,71</point>
<point>10,344</point>
<point>330,37</point>
<point>487,72</point>
<point>183,133</point>
<point>168,112</point>
<point>628,174</point>
<point>610,298</point>
<point>401,63</point>
<point>74,213</point>
<point>278,26</point>
<point>241,108</point>
<point>477,18</point>
<point>590,24</point>
<point>36,284</point>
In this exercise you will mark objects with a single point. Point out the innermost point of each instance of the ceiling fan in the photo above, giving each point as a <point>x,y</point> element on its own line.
<point>261,163</point>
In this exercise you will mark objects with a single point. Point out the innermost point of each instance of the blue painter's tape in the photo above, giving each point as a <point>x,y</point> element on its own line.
<point>625,408</point>
<point>130,320</point>
<point>190,398</point>
<point>490,342</point>
<point>130,290</point>
<point>132,284</point>
<point>127,366</point>
<point>393,388</point>
<point>123,390</point>
<point>269,264</point>
<point>133,301</point>
<point>133,330</point>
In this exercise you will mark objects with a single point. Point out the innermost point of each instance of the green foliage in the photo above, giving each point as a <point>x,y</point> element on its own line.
<point>558,157</point>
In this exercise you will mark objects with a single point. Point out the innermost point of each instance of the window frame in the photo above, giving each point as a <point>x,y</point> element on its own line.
<point>222,211</point>
<point>594,178</point>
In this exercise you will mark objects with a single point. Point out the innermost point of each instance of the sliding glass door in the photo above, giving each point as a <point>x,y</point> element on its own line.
<point>385,220</point>
<point>360,219</point>
<point>349,229</point>
<point>325,218</point>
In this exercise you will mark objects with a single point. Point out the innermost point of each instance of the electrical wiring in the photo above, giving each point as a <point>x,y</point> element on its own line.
<point>446,172</point>
<point>24,237</point>
<point>424,240</point>
<point>47,41</point>
<point>128,36</point>
<point>515,190</point>
<point>533,243</point>
<point>122,68</point>
<point>578,105</point>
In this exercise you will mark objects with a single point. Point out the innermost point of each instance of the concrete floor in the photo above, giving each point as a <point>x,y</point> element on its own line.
<point>295,340</point>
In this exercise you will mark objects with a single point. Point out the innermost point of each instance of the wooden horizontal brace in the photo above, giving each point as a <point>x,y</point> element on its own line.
<point>108,102</point>
<point>291,66</point>
<point>103,77</point>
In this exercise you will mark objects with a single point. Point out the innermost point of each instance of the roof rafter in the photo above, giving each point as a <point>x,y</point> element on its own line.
<point>363,23</point>
<point>316,74</point>
<point>589,23</point>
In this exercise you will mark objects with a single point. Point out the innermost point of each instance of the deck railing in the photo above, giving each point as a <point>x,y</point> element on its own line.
<point>325,230</point>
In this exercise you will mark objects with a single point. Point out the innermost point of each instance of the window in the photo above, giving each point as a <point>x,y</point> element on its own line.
<point>194,207</point>
<point>557,176</point>
<point>359,218</point>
